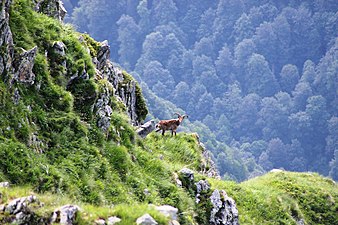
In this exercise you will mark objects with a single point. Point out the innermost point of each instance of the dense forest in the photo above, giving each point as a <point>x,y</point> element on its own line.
<point>259,79</point>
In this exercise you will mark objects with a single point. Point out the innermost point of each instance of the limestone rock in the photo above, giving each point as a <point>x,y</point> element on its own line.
<point>4,184</point>
<point>187,177</point>
<point>122,89</point>
<point>65,215</point>
<point>103,55</point>
<point>6,40</point>
<point>146,219</point>
<point>19,212</point>
<point>201,186</point>
<point>52,8</point>
<point>103,109</point>
<point>16,96</point>
<point>168,211</point>
<point>24,65</point>
<point>58,54</point>
<point>146,128</point>
<point>100,222</point>
<point>113,220</point>
<point>224,210</point>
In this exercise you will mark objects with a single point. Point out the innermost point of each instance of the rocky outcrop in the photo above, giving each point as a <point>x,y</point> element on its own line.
<point>4,184</point>
<point>187,177</point>
<point>146,219</point>
<point>6,41</point>
<point>65,215</point>
<point>170,212</point>
<point>18,211</point>
<point>52,8</point>
<point>103,109</point>
<point>24,67</point>
<point>113,220</point>
<point>224,210</point>
<point>146,128</point>
<point>123,87</point>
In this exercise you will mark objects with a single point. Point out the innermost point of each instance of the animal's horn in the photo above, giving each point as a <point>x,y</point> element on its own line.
<point>176,113</point>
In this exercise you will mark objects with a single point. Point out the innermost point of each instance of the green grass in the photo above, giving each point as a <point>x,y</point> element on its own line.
<point>284,198</point>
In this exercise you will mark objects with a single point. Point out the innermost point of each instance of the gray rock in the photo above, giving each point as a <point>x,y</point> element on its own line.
<point>224,210</point>
<point>103,109</point>
<point>4,184</point>
<point>103,55</point>
<point>146,128</point>
<point>52,8</point>
<point>58,54</point>
<point>19,205</point>
<point>187,177</point>
<point>16,96</point>
<point>168,211</point>
<point>113,220</point>
<point>6,41</point>
<point>201,186</point>
<point>146,219</point>
<point>19,212</point>
<point>24,65</point>
<point>100,222</point>
<point>65,215</point>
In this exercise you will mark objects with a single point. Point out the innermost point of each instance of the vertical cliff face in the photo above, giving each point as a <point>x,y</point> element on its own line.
<point>6,41</point>
<point>125,88</point>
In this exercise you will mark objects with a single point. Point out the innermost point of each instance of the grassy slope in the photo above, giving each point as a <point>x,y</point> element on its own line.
<point>284,198</point>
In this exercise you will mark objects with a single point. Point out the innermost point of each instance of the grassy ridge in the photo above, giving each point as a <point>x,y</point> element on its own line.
<point>285,198</point>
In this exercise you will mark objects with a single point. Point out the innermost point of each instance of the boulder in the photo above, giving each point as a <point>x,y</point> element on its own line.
<point>18,211</point>
<point>224,210</point>
<point>4,184</point>
<point>24,66</point>
<point>187,177</point>
<point>168,211</point>
<point>113,220</point>
<point>201,186</point>
<point>146,128</point>
<point>146,219</point>
<point>100,222</point>
<point>65,215</point>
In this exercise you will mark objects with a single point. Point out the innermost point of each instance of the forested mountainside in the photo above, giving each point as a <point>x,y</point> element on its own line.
<point>259,78</point>
<point>69,152</point>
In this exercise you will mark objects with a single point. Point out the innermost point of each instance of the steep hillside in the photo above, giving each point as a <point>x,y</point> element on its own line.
<point>69,152</point>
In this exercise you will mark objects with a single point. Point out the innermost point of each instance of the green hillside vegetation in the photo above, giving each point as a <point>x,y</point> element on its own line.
<point>285,198</point>
<point>52,147</point>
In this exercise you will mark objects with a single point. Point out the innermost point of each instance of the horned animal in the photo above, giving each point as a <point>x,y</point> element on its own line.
<point>172,124</point>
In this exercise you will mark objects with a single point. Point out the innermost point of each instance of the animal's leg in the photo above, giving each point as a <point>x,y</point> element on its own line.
<point>163,132</point>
